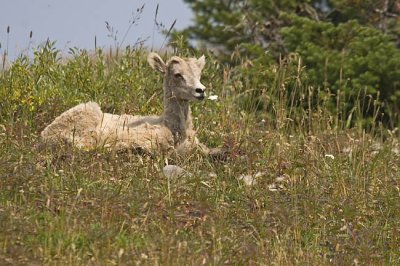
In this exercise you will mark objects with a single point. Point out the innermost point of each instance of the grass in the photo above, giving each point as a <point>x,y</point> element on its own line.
<point>327,191</point>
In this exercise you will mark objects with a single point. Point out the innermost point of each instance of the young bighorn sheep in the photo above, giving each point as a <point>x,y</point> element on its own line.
<point>86,126</point>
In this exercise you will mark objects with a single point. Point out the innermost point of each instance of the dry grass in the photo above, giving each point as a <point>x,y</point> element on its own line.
<point>323,194</point>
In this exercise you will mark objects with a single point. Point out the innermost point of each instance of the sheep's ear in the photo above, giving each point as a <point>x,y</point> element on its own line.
<point>156,62</point>
<point>201,61</point>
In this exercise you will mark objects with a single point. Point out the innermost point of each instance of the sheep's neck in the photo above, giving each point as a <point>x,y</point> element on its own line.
<point>177,117</point>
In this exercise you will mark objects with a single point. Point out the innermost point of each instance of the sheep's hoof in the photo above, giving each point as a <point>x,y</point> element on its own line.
<point>219,154</point>
<point>136,150</point>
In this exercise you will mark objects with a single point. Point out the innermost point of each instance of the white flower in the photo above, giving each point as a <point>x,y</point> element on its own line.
<point>213,97</point>
<point>212,175</point>
<point>280,178</point>
<point>330,156</point>
<point>259,174</point>
<point>347,150</point>
<point>273,187</point>
<point>248,180</point>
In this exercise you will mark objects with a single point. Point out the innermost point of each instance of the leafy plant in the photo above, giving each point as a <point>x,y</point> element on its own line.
<point>347,47</point>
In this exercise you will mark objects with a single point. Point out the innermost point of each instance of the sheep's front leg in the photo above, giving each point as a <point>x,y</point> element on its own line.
<point>193,144</point>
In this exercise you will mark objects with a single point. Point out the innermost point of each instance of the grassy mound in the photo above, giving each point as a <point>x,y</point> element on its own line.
<point>306,183</point>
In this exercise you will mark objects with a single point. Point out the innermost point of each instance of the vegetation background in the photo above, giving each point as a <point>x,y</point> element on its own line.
<point>308,107</point>
<point>349,47</point>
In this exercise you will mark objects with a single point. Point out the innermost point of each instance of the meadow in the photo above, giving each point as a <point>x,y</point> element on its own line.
<point>306,183</point>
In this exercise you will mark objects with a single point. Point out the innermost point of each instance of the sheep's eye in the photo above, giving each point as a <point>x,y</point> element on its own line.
<point>178,76</point>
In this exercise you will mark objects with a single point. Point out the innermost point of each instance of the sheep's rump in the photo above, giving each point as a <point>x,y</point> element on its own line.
<point>86,126</point>
<point>76,126</point>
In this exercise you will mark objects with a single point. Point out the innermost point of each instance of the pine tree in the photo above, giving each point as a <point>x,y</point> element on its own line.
<point>346,45</point>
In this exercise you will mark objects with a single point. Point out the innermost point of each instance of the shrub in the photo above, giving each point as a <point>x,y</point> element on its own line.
<point>348,57</point>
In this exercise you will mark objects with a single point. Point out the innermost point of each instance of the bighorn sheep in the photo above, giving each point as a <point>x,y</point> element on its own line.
<point>86,126</point>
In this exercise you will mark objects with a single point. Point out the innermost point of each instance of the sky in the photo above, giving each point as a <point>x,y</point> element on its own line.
<point>75,23</point>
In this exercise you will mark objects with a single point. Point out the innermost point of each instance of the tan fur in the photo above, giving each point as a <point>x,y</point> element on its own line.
<point>86,126</point>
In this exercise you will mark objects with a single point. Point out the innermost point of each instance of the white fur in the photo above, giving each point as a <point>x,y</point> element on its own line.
<point>86,126</point>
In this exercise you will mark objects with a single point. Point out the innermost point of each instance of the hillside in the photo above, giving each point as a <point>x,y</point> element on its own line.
<point>306,181</point>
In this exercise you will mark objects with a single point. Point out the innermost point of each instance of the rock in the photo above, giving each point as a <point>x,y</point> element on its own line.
<point>173,171</point>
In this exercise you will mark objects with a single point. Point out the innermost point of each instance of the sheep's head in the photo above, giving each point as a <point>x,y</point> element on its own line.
<point>182,76</point>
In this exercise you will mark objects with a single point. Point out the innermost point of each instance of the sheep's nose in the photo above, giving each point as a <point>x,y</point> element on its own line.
<point>201,91</point>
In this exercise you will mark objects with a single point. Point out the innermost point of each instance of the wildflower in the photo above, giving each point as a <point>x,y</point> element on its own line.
<point>330,156</point>
<point>280,178</point>
<point>248,180</point>
<point>212,175</point>
<point>273,187</point>
<point>213,97</point>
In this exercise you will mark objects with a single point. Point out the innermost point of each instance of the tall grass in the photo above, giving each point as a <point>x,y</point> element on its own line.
<point>326,190</point>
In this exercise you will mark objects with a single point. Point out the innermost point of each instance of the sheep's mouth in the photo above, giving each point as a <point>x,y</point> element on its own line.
<point>199,96</point>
